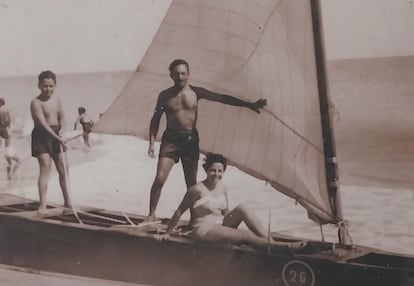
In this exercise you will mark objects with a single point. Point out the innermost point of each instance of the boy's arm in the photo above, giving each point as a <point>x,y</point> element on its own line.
<point>61,117</point>
<point>76,122</point>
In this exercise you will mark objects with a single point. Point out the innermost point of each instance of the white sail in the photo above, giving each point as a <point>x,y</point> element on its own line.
<point>250,49</point>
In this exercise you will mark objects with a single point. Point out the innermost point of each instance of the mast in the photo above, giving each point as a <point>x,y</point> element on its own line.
<point>327,125</point>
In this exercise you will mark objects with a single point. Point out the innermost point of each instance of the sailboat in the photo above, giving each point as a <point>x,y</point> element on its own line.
<point>269,49</point>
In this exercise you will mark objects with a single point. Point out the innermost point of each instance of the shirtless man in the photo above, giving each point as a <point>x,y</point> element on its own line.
<point>180,139</point>
<point>47,144</point>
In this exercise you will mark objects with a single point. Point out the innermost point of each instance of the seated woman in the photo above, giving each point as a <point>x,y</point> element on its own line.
<point>211,219</point>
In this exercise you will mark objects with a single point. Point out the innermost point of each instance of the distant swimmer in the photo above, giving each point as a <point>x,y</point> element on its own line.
<point>87,123</point>
<point>47,143</point>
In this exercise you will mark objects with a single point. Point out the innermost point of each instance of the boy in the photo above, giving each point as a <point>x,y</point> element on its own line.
<point>47,144</point>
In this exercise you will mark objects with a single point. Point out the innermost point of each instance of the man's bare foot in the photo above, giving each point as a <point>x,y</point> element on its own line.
<point>42,211</point>
<point>67,205</point>
<point>150,218</point>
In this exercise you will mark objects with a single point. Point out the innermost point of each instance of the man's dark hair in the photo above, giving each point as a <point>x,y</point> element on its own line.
<point>212,158</point>
<point>82,109</point>
<point>2,102</point>
<point>178,62</point>
<point>47,74</point>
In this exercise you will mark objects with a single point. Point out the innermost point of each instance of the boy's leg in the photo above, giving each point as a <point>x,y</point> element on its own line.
<point>43,180</point>
<point>62,170</point>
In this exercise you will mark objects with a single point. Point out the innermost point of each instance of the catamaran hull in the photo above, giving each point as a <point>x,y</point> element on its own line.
<point>138,258</point>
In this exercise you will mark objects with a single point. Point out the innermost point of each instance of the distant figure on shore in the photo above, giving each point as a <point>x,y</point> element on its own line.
<point>86,121</point>
<point>180,139</point>
<point>47,143</point>
<point>10,154</point>
<point>13,161</point>
<point>4,120</point>
<point>212,220</point>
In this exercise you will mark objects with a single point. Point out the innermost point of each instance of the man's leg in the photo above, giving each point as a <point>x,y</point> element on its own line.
<point>43,180</point>
<point>163,170</point>
<point>190,167</point>
<point>190,174</point>
<point>61,168</point>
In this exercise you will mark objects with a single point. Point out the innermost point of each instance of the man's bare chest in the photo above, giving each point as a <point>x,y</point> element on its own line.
<point>185,100</point>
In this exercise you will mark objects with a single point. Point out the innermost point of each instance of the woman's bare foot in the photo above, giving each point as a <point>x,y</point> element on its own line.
<point>296,245</point>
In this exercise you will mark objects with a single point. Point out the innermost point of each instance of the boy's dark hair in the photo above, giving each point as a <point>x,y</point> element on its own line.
<point>81,109</point>
<point>2,102</point>
<point>212,158</point>
<point>47,74</point>
<point>178,62</point>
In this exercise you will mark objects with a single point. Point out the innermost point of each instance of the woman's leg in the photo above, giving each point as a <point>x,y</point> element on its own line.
<point>221,233</point>
<point>243,213</point>
<point>256,235</point>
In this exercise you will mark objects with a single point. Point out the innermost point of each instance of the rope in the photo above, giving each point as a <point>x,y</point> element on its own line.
<point>88,214</point>
<point>66,174</point>
<point>296,228</point>
<point>322,235</point>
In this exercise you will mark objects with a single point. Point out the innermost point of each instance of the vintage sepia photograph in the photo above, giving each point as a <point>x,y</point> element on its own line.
<point>205,142</point>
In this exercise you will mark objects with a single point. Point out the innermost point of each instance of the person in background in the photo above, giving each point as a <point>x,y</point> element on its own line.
<point>47,143</point>
<point>10,154</point>
<point>86,121</point>
<point>180,139</point>
<point>212,220</point>
<point>4,122</point>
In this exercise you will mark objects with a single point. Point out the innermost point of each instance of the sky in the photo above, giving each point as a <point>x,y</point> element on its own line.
<point>106,35</point>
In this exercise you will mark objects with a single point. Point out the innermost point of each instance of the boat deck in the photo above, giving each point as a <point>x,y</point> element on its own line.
<point>135,225</point>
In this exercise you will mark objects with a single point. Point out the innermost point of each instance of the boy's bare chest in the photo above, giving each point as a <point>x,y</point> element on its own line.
<point>49,107</point>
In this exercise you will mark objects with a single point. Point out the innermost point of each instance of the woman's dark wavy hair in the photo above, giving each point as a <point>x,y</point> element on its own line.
<point>212,158</point>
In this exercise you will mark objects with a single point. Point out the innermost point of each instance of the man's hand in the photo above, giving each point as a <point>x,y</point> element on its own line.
<point>255,106</point>
<point>151,151</point>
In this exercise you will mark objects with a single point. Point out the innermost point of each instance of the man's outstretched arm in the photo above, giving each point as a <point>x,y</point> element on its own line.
<point>231,100</point>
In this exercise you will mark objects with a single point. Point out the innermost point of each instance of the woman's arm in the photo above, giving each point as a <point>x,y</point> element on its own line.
<point>226,195</point>
<point>189,199</point>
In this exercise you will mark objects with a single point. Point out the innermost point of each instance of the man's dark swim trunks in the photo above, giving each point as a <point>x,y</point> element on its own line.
<point>43,142</point>
<point>184,144</point>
